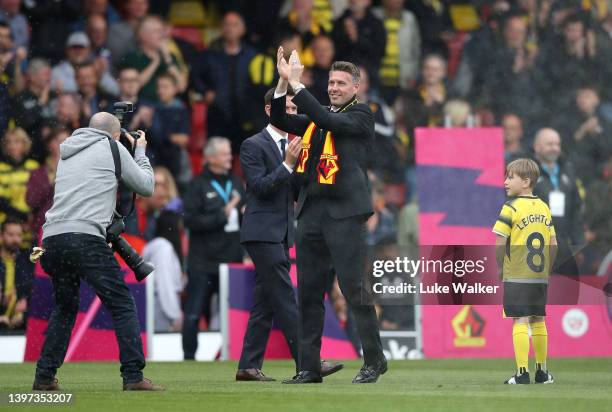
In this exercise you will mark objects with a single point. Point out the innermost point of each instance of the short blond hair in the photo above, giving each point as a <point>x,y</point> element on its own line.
<point>21,135</point>
<point>525,169</point>
<point>458,112</point>
<point>172,191</point>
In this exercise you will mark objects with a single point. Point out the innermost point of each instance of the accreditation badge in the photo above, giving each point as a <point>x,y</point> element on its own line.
<point>556,202</point>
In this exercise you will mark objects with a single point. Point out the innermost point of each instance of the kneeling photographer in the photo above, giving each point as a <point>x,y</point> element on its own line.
<point>75,242</point>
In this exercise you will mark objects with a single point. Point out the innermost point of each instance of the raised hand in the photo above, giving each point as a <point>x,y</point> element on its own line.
<point>295,67</point>
<point>281,64</point>
<point>21,54</point>
<point>350,28</point>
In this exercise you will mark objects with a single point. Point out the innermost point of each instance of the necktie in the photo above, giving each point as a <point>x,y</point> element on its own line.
<point>283,143</point>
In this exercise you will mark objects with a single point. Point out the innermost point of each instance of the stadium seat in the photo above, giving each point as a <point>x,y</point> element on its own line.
<point>464,17</point>
<point>455,50</point>
<point>187,13</point>
<point>199,114</point>
<point>192,35</point>
<point>236,167</point>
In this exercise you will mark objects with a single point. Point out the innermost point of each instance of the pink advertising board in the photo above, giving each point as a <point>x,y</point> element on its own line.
<point>460,176</point>
<point>335,343</point>
<point>481,332</point>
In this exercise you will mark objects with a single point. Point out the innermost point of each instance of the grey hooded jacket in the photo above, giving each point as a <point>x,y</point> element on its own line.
<point>86,186</point>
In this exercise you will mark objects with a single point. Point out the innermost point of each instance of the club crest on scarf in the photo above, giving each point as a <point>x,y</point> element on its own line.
<point>328,165</point>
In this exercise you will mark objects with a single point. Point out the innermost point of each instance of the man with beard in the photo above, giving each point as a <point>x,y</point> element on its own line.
<point>558,187</point>
<point>11,75</point>
<point>15,275</point>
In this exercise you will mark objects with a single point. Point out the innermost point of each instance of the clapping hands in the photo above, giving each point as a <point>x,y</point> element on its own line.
<point>290,71</point>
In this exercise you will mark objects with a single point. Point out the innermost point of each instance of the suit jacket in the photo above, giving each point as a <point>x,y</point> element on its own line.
<point>353,132</point>
<point>269,204</point>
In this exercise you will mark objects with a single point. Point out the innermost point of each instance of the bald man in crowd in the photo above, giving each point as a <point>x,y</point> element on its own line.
<point>559,188</point>
<point>221,75</point>
<point>75,245</point>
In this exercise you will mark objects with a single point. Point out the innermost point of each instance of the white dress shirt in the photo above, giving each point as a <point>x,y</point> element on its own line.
<point>277,139</point>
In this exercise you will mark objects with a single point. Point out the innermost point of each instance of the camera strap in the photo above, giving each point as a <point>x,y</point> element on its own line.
<point>117,160</point>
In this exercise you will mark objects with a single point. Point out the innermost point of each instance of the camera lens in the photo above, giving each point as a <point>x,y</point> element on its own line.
<point>135,262</point>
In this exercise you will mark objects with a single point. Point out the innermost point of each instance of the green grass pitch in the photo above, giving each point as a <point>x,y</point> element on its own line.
<point>424,385</point>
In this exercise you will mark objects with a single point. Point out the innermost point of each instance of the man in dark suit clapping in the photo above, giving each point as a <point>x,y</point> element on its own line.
<point>268,160</point>
<point>332,208</point>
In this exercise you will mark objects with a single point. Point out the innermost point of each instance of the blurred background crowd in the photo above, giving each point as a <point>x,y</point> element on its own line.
<point>540,69</point>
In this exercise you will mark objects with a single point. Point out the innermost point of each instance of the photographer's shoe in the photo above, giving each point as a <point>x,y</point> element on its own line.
<point>144,385</point>
<point>252,375</point>
<point>51,385</point>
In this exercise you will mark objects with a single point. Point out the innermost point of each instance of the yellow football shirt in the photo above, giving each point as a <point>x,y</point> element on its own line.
<point>10,291</point>
<point>526,223</point>
<point>390,65</point>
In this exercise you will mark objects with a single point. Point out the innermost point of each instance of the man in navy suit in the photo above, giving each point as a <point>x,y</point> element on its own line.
<point>267,232</point>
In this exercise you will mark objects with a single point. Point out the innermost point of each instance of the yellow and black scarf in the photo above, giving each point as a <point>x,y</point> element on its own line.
<point>328,166</point>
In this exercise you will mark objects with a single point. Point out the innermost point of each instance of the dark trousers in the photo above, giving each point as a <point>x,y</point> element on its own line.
<point>273,298</point>
<point>323,242</point>
<point>202,285</point>
<point>68,258</point>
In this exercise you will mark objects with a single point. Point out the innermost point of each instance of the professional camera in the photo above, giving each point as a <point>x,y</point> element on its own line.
<point>138,265</point>
<point>140,268</point>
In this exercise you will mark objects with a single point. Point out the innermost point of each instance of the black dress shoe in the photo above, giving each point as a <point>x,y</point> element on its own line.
<point>252,375</point>
<point>370,374</point>
<point>327,368</point>
<point>304,377</point>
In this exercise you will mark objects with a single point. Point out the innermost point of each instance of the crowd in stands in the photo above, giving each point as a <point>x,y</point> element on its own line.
<point>540,69</point>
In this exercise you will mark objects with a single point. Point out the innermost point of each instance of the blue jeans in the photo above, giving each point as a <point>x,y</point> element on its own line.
<point>69,257</point>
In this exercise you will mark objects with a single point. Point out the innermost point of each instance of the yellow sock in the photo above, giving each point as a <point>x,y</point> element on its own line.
<point>520,338</point>
<point>539,337</point>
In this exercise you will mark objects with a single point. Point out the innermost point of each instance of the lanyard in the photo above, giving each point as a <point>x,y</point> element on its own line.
<point>554,173</point>
<point>225,194</point>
